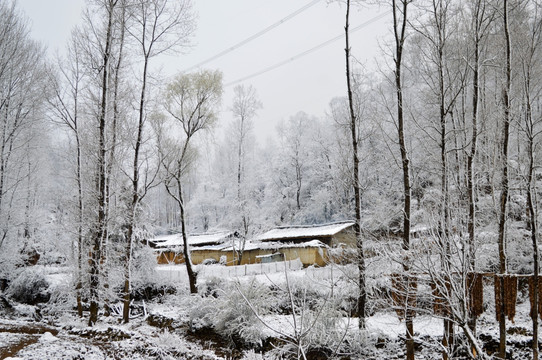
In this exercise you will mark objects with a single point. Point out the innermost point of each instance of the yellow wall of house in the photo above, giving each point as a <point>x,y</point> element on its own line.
<point>198,256</point>
<point>308,256</point>
<point>169,257</point>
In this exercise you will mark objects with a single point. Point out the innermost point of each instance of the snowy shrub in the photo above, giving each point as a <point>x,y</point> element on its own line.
<point>230,315</point>
<point>320,317</point>
<point>166,346</point>
<point>304,293</point>
<point>210,285</point>
<point>419,216</point>
<point>235,316</point>
<point>170,346</point>
<point>201,312</point>
<point>487,212</point>
<point>324,325</point>
<point>487,256</point>
<point>30,287</point>
<point>11,261</point>
<point>519,251</point>
<point>251,355</point>
<point>62,299</point>
<point>516,208</point>
<point>143,266</point>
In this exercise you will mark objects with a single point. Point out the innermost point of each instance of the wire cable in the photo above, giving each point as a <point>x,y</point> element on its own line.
<point>255,36</point>
<point>306,52</point>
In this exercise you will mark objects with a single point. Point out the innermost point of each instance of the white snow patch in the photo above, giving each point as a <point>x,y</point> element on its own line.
<point>48,337</point>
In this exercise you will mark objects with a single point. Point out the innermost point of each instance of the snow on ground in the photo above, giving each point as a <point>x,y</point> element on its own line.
<point>71,338</point>
<point>51,347</point>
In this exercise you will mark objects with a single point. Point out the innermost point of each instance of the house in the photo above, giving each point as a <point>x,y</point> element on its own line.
<point>309,243</point>
<point>332,234</point>
<point>169,248</point>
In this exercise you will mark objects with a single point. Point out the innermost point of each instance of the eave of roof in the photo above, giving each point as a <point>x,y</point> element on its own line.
<point>285,233</point>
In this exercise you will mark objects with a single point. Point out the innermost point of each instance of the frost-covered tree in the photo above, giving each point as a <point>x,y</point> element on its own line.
<point>244,109</point>
<point>156,26</point>
<point>102,47</point>
<point>191,102</point>
<point>22,96</point>
<point>65,109</point>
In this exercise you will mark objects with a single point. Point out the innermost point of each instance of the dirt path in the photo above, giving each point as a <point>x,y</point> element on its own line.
<point>30,335</point>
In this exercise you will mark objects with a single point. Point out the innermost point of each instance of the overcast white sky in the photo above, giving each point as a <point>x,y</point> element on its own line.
<point>306,84</point>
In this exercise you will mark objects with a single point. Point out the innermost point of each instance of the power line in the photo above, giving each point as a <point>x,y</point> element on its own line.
<point>311,50</point>
<point>255,36</point>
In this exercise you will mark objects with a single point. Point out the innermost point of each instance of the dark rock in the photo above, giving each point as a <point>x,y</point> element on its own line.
<point>106,335</point>
<point>4,283</point>
<point>160,321</point>
<point>151,292</point>
<point>5,306</point>
<point>318,354</point>
<point>31,257</point>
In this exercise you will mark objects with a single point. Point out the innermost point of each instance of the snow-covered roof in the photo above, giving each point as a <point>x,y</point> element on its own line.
<point>253,245</point>
<point>176,240</point>
<point>285,233</point>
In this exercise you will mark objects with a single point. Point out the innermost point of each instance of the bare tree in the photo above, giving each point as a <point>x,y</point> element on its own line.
<point>191,101</point>
<point>21,94</point>
<point>244,109</point>
<point>446,82</point>
<point>532,90</point>
<point>104,40</point>
<point>362,296</point>
<point>159,26</point>
<point>480,24</point>
<point>504,181</point>
<point>65,107</point>
<point>399,10</point>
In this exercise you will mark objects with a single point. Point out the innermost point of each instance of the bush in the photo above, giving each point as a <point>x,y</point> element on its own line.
<point>210,286</point>
<point>148,292</point>
<point>30,287</point>
<point>227,312</point>
<point>234,317</point>
<point>201,312</point>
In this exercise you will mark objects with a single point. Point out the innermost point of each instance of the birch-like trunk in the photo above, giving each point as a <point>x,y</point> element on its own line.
<point>362,296</point>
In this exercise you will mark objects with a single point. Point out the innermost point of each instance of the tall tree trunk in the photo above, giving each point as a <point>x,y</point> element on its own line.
<point>136,198</point>
<point>80,209</point>
<point>240,160</point>
<point>471,224</point>
<point>534,230</point>
<point>4,160</point>
<point>112,153</point>
<point>239,200</point>
<point>532,212</point>
<point>101,224</point>
<point>399,30</point>
<point>192,275</point>
<point>504,185</point>
<point>362,296</point>
<point>440,23</point>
